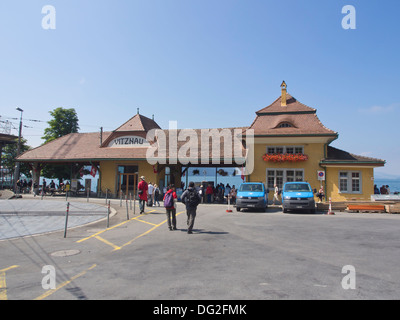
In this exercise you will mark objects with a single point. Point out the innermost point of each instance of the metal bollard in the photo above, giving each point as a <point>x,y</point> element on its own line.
<point>127,211</point>
<point>108,214</point>
<point>66,221</point>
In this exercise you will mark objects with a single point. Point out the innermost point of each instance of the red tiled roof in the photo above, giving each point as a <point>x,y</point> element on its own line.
<point>292,105</point>
<point>80,147</point>
<point>138,123</point>
<point>303,120</point>
<point>84,147</point>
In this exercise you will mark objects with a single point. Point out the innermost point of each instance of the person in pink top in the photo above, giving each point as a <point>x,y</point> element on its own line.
<point>142,191</point>
<point>169,204</point>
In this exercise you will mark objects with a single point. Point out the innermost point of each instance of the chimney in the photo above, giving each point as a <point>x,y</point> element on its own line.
<point>283,97</point>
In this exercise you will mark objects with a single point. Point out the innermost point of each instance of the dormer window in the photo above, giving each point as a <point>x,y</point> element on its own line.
<point>285,125</point>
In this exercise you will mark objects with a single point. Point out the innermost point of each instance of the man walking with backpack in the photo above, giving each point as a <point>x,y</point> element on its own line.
<point>191,199</point>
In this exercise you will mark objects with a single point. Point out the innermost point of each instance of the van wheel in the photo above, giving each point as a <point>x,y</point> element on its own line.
<point>284,210</point>
<point>237,209</point>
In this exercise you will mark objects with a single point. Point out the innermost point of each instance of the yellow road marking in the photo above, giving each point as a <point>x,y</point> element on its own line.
<point>3,284</point>
<point>96,235</point>
<point>117,225</point>
<point>147,232</point>
<point>108,242</point>
<point>9,268</point>
<point>153,224</point>
<point>146,213</point>
<point>139,236</point>
<point>50,292</point>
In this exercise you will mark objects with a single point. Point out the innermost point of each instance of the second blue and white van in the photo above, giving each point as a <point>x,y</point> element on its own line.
<point>298,196</point>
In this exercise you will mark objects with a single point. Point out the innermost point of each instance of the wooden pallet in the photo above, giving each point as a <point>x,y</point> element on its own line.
<point>366,208</point>
<point>336,206</point>
<point>393,208</point>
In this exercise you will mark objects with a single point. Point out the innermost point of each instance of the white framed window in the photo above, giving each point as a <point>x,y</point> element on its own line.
<point>343,181</point>
<point>298,150</point>
<point>280,176</point>
<point>285,149</point>
<point>350,182</point>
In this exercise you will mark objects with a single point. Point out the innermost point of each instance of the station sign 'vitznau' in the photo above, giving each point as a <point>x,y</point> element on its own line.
<point>129,142</point>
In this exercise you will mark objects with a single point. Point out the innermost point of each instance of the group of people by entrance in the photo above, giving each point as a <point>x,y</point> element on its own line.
<point>190,197</point>
<point>218,194</point>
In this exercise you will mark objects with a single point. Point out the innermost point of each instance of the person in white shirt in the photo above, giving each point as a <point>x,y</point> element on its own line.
<point>276,194</point>
<point>156,195</point>
<point>151,192</point>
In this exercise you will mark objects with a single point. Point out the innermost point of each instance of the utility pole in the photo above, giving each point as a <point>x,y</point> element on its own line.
<point>17,164</point>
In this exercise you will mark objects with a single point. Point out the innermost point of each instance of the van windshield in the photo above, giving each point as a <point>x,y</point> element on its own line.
<point>297,187</point>
<point>251,187</point>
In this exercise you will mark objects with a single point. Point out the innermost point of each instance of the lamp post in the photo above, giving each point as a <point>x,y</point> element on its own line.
<point>17,164</point>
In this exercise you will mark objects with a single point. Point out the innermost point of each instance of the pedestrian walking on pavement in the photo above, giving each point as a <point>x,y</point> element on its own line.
<point>170,199</point>
<point>142,191</point>
<point>156,195</point>
<point>150,191</point>
<point>191,199</point>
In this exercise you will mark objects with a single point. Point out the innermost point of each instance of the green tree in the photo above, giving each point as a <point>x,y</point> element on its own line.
<point>9,155</point>
<point>64,121</point>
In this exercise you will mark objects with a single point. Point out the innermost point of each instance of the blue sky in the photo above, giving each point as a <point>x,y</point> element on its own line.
<point>206,64</point>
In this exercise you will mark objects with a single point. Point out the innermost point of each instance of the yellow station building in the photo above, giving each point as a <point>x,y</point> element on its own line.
<point>290,144</point>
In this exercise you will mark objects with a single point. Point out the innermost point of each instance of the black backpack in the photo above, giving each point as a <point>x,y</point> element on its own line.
<point>192,199</point>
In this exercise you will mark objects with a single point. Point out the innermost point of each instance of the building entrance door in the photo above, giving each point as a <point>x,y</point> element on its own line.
<point>128,184</point>
<point>127,180</point>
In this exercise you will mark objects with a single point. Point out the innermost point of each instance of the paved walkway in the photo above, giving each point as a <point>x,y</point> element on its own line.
<point>25,217</point>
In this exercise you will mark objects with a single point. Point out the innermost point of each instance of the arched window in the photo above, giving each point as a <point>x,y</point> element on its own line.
<point>285,125</point>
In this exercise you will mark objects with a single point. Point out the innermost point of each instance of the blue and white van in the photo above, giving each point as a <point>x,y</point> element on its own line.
<point>298,196</point>
<point>252,195</point>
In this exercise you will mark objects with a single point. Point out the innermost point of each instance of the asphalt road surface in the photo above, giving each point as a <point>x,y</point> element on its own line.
<point>238,255</point>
